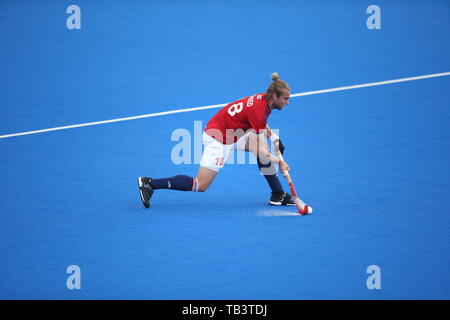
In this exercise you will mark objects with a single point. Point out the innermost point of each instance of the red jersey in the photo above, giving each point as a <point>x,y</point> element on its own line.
<point>244,114</point>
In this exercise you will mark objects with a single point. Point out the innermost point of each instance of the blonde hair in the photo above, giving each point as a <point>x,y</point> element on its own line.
<point>276,86</point>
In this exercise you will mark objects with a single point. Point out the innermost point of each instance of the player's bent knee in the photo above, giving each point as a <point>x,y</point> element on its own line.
<point>252,143</point>
<point>263,145</point>
<point>257,145</point>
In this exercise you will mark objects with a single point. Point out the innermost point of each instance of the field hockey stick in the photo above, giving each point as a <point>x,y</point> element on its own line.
<point>301,207</point>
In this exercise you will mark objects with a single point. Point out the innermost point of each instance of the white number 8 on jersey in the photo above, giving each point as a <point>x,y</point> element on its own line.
<point>235,108</point>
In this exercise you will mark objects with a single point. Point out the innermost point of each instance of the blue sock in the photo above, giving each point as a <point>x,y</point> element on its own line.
<point>180,182</point>
<point>270,173</point>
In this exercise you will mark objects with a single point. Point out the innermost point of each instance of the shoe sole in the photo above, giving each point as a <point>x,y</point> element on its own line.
<point>273,203</point>
<point>289,204</point>
<point>147,205</point>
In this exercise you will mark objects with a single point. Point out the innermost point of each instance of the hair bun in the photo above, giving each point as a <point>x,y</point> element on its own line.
<point>275,76</point>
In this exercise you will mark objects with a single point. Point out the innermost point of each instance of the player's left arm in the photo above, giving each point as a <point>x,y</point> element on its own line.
<point>274,138</point>
<point>268,132</point>
<point>264,151</point>
<point>263,130</point>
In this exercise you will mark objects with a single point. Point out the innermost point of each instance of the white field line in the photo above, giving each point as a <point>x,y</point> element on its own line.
<point>372,84</point>
<point>365,85</point>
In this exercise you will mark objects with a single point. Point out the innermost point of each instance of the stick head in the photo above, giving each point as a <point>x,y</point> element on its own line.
<point>302,208</point>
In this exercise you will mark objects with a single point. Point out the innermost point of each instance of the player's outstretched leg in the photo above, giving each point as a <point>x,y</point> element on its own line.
<point>180,182</point>
<point>199,183</point>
